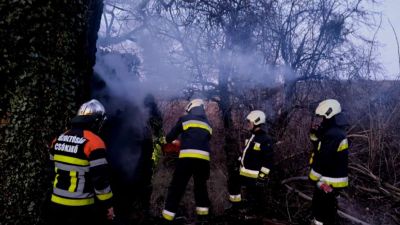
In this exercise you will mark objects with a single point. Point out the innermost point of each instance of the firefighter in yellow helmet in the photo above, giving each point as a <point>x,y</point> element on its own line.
<point>81,176</point>
<point>329,160</point>
<point>195,133</point>
<point>255,162</point>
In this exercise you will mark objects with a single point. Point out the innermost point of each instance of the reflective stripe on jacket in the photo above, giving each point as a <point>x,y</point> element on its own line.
<point>329,158</point>
<point>81,169</point>
<point>257,156</point>
<point>195,131</point>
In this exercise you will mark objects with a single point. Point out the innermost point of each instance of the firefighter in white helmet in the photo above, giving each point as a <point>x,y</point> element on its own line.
<point>195,133</point>
<point>329,160</point>
<point>255,163</point>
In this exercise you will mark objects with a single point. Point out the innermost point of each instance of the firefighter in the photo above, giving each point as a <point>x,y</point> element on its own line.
<point>254,166</point>
<point>328,160</point>
<point>194,160</point>
<point>81,176</point>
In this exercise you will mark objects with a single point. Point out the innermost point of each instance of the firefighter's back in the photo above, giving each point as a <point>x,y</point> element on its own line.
<point>196,135</point>
<point>79,159</point>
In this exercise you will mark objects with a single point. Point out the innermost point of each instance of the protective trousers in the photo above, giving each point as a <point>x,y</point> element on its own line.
<point>185,169</point>
<point>324,207</point>
<point>253,195</point>
<point>75,215</point>
<point>234,183</point>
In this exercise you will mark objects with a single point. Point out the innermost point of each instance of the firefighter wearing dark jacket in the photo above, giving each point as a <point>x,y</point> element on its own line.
<point>255,165</point>
<point>81,175</point>
<point>328,160</point>
<point>194,160</point>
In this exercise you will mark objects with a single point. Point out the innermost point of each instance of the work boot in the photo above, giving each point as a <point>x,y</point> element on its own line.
<point>179,220</point>
<point>162,221</point>
<point>316,222</point>
<point>233,210</point>
<point>234,214</point>
<point>202,220</point>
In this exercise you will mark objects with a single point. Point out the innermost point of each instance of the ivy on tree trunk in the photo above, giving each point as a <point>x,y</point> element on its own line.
<point>49,50</point>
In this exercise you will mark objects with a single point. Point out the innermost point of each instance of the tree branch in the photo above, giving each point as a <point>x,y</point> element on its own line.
<point>397,42</point>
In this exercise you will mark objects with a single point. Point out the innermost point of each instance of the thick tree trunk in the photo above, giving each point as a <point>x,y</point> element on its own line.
<point>49,48</point>
<point>231,146</point>
<point>93,19</point>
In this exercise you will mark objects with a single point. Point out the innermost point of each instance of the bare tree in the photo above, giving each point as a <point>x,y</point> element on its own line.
<point>282,50</point>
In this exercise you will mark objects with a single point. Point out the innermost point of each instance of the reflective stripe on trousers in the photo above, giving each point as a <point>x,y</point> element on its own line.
<point>168,215</point>
<point>235,198</point>
<point>202,211</point>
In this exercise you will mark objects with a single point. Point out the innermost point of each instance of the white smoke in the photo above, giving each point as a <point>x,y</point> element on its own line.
<point>150,55</point>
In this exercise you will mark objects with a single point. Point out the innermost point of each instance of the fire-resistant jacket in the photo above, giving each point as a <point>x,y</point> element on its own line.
<point>195,131</point>
<point>81,169</point>
<point>329,158</point>
<point>257,156</point>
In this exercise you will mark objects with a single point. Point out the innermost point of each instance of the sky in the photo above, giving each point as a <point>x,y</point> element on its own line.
<point>388,50</point>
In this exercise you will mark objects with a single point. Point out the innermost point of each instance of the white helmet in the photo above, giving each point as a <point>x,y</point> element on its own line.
<point>257,117</point>
<point>194,103</point>
<point>328,108</point>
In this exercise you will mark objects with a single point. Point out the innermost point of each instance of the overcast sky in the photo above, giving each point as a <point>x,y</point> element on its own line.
<point>388,49</point>
<point>391,11</point>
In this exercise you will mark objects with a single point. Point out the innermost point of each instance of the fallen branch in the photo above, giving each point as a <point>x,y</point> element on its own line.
<point>395,219</point>
<point>301,194</point>
<point>352,218</point>
<point>357,136</point>
<point>382,187</point>
<point>308,198</point>
<point>373,191</point>
<point>291,179</point>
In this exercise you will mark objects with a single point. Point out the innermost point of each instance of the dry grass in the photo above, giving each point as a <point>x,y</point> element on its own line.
<point>373,111</point>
